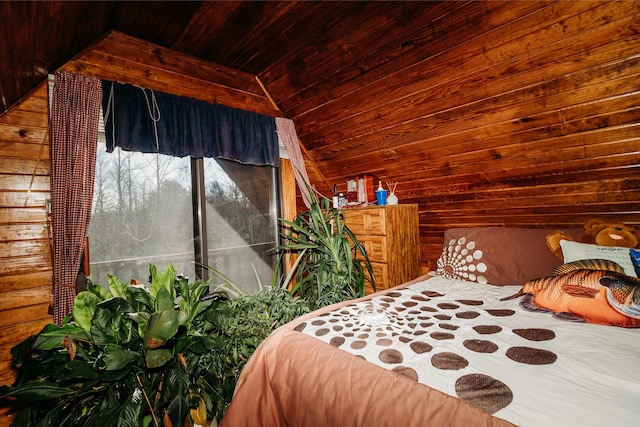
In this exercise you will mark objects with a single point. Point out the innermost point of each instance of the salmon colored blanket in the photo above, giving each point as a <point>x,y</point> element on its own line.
<point>297,380</point>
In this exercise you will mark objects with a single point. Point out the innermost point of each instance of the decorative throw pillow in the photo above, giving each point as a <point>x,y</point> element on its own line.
<point>595,295</point>
<point>575,251</point>
<point>498,255</point>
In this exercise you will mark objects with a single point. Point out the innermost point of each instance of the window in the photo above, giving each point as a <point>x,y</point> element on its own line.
<point>241,221</point>
<point>151,208</point>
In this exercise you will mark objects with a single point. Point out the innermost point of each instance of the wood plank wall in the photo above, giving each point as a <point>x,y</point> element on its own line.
<point>26,274</point>
<point>493,113</point>
<point>125,59</point>
<point>486,113</point>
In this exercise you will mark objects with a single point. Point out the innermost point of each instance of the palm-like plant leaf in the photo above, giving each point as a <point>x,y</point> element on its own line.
<point>328,269</point>
<point>36,391</point>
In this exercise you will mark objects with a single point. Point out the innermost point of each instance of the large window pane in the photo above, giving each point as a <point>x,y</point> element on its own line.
<point>241,221</point>
<point>141,214</point>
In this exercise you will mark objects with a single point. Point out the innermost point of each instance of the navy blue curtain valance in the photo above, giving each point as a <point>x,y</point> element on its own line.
<point>147,121</point>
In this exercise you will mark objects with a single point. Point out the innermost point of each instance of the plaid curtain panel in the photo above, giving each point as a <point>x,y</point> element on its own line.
<point>75,112</point>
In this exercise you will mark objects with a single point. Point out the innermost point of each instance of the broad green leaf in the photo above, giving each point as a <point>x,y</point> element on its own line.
<point>164,301</point>
<point>192,302</point>
<point>162,280</point>
<point>155,284</point>
<point>84,307</point>
<point>20,352</point>
<point>161,327</point>
<point>201,343</point>
<point>36,391</point>
<point>104,328</point>
<point>117,304</point>
<point>184,287</point>
<point>117,287</point>
<point>141,296</point>
<point>52,335</point>
<point>119,376</point>
<point>99,291</point>
<point>141,319</point>
<point>101,335</point>
<point>78,369</point>
<point>116,358</point>
<point>156,358</point>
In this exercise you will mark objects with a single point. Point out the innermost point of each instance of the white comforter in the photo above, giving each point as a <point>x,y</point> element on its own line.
<point>525,367</point>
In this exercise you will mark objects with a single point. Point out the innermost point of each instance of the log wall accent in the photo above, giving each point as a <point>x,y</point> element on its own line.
<point>486,113</point>
<point>26,274</point>
<point>522,113</point>
<point>125,59</point>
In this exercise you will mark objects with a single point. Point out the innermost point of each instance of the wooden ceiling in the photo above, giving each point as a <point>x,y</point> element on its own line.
<point>485,112</point>
<point>290,45</point>
<point>313,58</point>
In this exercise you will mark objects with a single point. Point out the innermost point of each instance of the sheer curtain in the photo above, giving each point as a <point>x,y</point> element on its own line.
<point>287,131</point>
<point>76,104</point>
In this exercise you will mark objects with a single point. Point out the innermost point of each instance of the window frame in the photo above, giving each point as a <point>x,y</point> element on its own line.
<point>199,218</point>
<point>200,226</point>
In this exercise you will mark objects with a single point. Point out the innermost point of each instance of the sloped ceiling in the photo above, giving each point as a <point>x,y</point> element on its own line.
<point>306,54</point>
<point>290,45</point>
<point>485,112</point>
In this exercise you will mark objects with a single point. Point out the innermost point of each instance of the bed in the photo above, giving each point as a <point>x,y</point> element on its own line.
<point>447,349</point>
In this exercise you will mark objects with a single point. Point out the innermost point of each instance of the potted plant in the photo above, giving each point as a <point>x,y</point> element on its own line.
<point>166,355</point>
<point>332,265</point>
<point>170,354</point>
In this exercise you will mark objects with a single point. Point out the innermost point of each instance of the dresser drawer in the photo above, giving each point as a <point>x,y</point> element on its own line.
<point>375,246</point>
<point>366,221</point>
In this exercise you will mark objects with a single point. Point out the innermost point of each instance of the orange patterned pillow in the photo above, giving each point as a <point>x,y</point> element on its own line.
<point>595,290</point>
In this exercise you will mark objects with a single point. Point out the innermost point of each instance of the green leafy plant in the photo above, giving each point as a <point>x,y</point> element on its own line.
<point>169,354</point>
<point>329,268</point>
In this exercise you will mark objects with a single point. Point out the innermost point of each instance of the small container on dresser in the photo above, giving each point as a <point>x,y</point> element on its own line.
<point>390,235</point>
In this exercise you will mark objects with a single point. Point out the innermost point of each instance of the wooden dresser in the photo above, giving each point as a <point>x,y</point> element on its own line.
<point>390,234</point>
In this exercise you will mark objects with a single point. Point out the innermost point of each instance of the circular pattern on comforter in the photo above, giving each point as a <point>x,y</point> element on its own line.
<point>401,331</point>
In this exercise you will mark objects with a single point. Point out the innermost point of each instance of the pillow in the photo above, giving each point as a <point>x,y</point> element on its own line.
<point>498,255</point>
<point>635,259</point>
<point>575,251</point>
<point>596,296</point>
